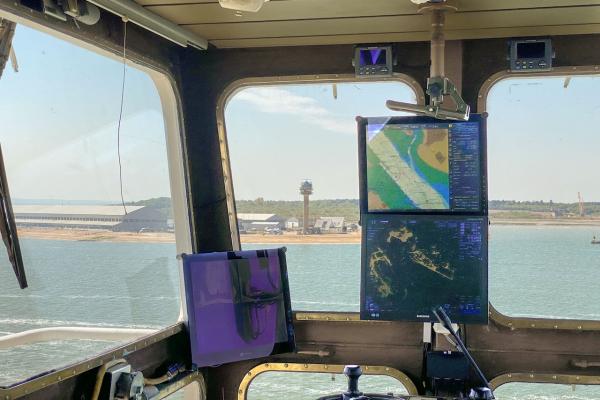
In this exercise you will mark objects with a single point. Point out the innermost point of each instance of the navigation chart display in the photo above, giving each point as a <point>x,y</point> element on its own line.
<point>412,264</point>
<point>418,163</point>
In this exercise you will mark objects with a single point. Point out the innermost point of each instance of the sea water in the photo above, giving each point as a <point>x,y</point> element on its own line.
<point>548,271</point>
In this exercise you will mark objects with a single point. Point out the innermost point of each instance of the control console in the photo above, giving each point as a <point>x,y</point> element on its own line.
<point>353,373</point>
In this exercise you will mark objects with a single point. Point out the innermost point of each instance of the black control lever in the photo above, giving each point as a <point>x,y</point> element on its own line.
<point>353,372</point>
<point>441,315</point>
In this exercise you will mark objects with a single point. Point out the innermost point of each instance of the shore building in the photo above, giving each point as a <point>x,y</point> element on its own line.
<point>138,218</point>
<point>252,222</point>
<point>330,225</point>
<point>292,224</point>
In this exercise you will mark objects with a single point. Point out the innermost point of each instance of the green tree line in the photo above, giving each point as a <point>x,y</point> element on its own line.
<point>349,208</point>
<point>590,208</point>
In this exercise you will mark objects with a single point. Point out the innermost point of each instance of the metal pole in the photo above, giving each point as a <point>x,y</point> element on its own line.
<point>305,222</point>
<point>438,43</point>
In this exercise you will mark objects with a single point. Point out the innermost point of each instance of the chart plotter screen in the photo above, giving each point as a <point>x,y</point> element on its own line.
<point>412,263</point>
<point>422,164</point>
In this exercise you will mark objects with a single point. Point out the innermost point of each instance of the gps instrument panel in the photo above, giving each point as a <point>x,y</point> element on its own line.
<point>424,219</point>
<point>420,164</point>
<point>372,61</point>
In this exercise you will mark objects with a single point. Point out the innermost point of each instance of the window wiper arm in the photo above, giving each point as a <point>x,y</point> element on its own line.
<point>8,228</point>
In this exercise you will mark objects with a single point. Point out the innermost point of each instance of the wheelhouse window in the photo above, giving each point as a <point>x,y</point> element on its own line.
<point>286,141</point>
<point>93,258</point>
<point>544,196</point>
<point>272,385</point>
<point>534,391</point>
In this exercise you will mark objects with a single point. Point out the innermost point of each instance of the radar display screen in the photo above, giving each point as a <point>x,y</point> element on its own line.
<point>411,264</point>
<point>422,164</point>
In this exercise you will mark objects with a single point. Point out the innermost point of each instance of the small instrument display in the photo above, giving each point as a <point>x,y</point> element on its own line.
<point>530,54</point>
<point>373,61</point>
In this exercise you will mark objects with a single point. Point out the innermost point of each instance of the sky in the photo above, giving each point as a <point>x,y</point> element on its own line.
<point>58,118</point>
<point>542,138</point>
<point>279,136</point>
<point>59,115</point>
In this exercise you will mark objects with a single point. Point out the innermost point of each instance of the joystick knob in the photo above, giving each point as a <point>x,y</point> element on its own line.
<point>353,372</point>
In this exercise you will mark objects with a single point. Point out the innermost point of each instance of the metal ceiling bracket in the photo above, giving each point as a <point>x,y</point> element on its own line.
<point>438,85</point>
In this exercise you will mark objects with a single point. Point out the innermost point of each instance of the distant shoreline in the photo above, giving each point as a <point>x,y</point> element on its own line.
<point>82,235</point>
<point>85,235</point>
<point>294,238</point>
<point>545,221</point>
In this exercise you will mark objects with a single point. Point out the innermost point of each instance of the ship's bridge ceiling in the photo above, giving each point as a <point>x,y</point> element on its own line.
<point>320,22</point>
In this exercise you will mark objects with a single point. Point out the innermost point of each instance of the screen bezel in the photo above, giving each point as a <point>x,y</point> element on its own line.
<point>482,319</point>
<point>362,123</point>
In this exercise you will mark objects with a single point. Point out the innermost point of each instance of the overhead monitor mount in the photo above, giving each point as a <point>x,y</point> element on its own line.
<point>438,85</point>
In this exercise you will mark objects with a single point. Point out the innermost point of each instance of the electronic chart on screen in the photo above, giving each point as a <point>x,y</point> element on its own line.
<point>424,219</point>
<point>421,164</point>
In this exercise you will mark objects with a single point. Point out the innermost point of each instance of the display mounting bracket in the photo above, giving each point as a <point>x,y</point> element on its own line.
<point>438,85</point>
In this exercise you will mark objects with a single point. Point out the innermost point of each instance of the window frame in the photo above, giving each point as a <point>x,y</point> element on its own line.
<point>170,100</point>
<point>400,376</point>
<point>558,379</point>
<point>236,86</point>
<point>535,322</point>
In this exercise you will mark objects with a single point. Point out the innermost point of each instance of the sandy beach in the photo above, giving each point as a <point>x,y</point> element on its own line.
<point>95,235</point>
<point>285,238</point>
<point>294,238</point>
<point>166,237</point>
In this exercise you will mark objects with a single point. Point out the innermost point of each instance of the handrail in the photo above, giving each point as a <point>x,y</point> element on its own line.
<point>71,333</point>
<point>129,10</point>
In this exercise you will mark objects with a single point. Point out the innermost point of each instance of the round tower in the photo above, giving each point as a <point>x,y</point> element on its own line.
<point>306,189</point>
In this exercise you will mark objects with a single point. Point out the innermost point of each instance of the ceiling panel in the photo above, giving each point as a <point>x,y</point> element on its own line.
<point>409,37</point>
<point>298,22</point>
<point>285,10</point>
<point>397,24</point>
<point>205,12</point>
<point>175,2</point>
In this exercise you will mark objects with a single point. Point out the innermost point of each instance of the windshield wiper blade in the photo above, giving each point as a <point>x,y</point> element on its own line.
<point>8,228</point>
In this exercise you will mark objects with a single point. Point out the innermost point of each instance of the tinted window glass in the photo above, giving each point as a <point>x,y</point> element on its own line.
<point>283,136</point>
<point>543,175</point>
<point>90,261</point>
<point>539,391</point>
<point>307,385</point>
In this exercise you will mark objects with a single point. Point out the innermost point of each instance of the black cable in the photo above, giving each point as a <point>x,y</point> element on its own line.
<point>441,315</point>
<point>121,114</point>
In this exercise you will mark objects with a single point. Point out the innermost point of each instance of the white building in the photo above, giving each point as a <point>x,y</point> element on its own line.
<point>292,224</point>
<point>252,222</point>
<point>330,225</point>
<point>90,217</point>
